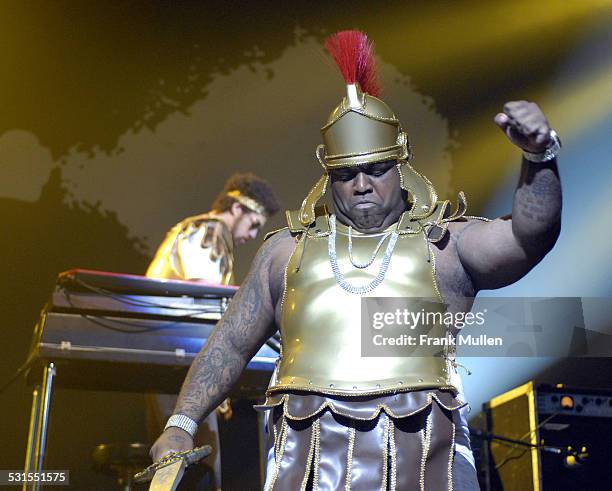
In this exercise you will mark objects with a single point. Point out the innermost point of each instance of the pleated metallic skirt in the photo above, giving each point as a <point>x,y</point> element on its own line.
<point>394,442</point>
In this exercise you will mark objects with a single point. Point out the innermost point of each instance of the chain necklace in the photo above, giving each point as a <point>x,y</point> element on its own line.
<point>350,250</point>
<point>340,279</point>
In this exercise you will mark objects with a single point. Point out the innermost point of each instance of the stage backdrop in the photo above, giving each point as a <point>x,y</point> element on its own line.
<point>117,120</point>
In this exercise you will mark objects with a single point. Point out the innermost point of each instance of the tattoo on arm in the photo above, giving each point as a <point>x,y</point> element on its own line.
<point>498,253</point>
<point>177,439</point>
<point>238,335</point>
<point>537,204</point>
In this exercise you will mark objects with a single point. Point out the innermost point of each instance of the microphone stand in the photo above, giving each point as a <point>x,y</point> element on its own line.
<point>572,458</point>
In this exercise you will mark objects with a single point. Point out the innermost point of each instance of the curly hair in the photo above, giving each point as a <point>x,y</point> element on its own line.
<point>250,185</point>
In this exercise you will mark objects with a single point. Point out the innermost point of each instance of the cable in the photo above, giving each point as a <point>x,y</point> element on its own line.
<point>17,374</point>
<point>508,458</point>
<point>274,343</point>
<point>191,315</point>
<point>514,444</point>
<point>97,320</point>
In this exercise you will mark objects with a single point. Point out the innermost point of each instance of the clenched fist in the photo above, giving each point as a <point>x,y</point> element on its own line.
<point>525,125</point>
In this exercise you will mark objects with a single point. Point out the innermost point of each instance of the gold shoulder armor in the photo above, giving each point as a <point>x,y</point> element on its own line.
<point>319,225</point>
<point>436,224</point>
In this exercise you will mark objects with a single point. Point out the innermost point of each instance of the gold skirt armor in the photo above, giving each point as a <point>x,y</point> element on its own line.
<point>395,442</point>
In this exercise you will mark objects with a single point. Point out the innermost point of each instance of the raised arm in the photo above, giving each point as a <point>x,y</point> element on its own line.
<point>500,252</point>
<point>246,325</point>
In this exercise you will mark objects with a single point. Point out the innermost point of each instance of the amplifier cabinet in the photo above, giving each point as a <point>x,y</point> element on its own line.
<point>553,416</point>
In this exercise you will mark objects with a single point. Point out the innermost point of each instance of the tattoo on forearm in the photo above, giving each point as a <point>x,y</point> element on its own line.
<point>537,201</point>
<point>219,364</point>
<point>177,439</point>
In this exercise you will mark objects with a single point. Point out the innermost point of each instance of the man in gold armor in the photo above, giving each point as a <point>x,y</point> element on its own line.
<point>201,248</point>
<point>340,420</point>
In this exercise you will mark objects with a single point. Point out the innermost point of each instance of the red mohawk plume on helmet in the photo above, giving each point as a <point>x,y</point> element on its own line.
<point>354,55</point>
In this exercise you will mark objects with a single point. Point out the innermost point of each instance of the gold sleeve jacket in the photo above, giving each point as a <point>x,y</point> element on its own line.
<point>198,247</point>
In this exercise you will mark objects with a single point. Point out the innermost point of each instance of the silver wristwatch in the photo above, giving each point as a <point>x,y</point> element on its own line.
<point>183,422</point>
<point>550,153</point>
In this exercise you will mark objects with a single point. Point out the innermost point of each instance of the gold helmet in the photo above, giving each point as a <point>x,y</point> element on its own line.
<point>363,129</point>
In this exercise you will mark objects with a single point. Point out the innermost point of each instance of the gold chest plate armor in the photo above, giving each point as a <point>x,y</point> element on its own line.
<point>321,322</point>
